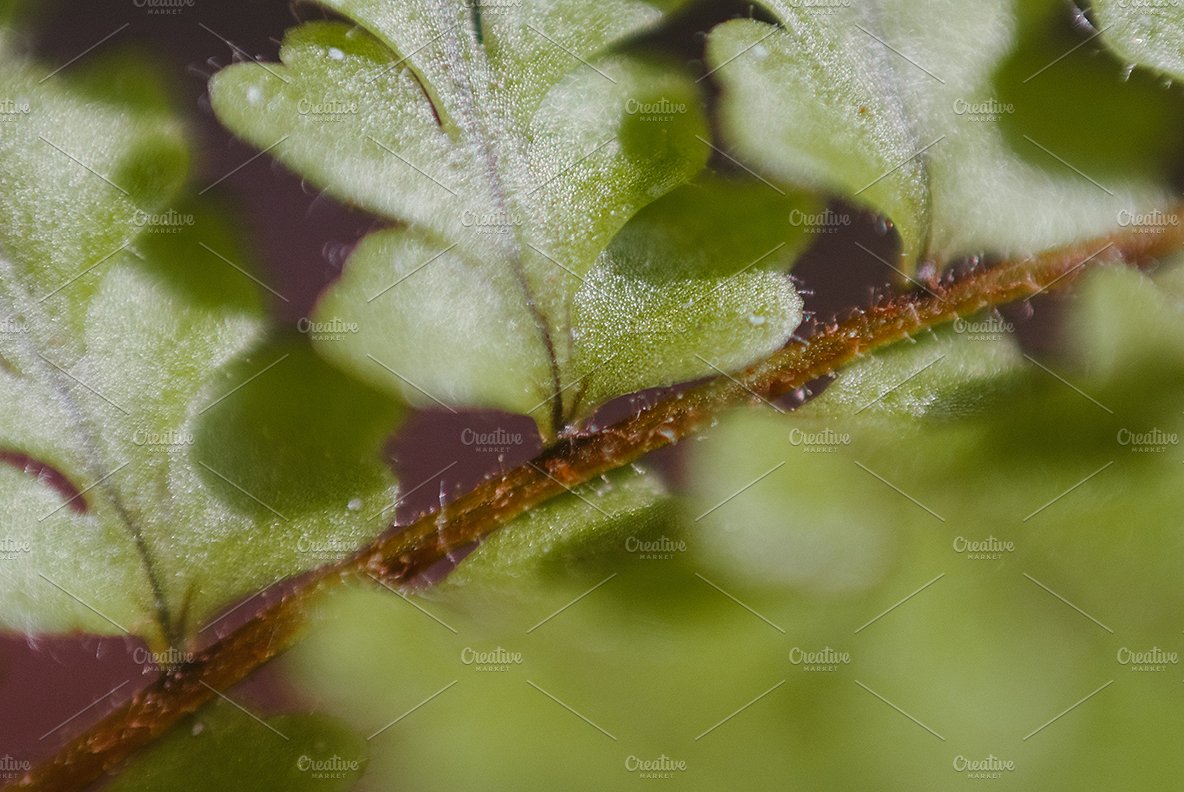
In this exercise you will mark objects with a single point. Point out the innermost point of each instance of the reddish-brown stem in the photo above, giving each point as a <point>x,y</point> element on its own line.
<point>399,556</point>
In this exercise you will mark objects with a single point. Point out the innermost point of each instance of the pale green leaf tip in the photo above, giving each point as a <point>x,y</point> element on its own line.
<point>1147,33</point>
<point>603,518</point>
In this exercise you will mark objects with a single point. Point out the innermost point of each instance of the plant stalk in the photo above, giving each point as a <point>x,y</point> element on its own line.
<point>401,554</point>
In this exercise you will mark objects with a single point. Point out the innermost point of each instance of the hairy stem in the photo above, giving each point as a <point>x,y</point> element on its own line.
<point>400,555</point>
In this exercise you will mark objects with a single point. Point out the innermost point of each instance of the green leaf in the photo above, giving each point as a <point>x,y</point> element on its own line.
<point>954,372</point>
<point>619,657</point>
<point>774,498</point>
<point>623,509</point>
<point>516,143</point>
<point>225,748</point>
<point>195,459</point>
<point>14,14</point>
<point>1125,123</point>
<point>1124,322</point>
<point>815,103</point>
<point>682,292</point>
<point>459,337</point>
<point>446,120</point>
<point>908,108</point>
<point>1149,33</point>
<point>692,287</point>
<point>896,441</point>
<point>976,528</point>
<point>113,172</point>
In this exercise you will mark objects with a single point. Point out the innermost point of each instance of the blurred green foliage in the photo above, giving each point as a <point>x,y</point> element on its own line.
<point>924,581</point>
<point>226,748</point>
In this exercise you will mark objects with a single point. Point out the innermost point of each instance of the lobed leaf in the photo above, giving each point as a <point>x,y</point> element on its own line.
<point>915,110</point>
<point>516,140</point>
<point>692,287</point>
<point>1145,33</point>
<point>598,518</point>
<point>814,102</point>
<point>183,457</point>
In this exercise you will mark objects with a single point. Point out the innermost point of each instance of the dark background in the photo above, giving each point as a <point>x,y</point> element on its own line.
<point>300,241</point>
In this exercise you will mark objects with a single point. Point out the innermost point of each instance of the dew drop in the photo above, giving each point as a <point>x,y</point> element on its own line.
<point>102,650</point>
<point>756,320</point>
<point>254,94</point>
<point>883,225</point>
<point>336,253</point>
<point>336,54</point>
<point>354,504</point>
